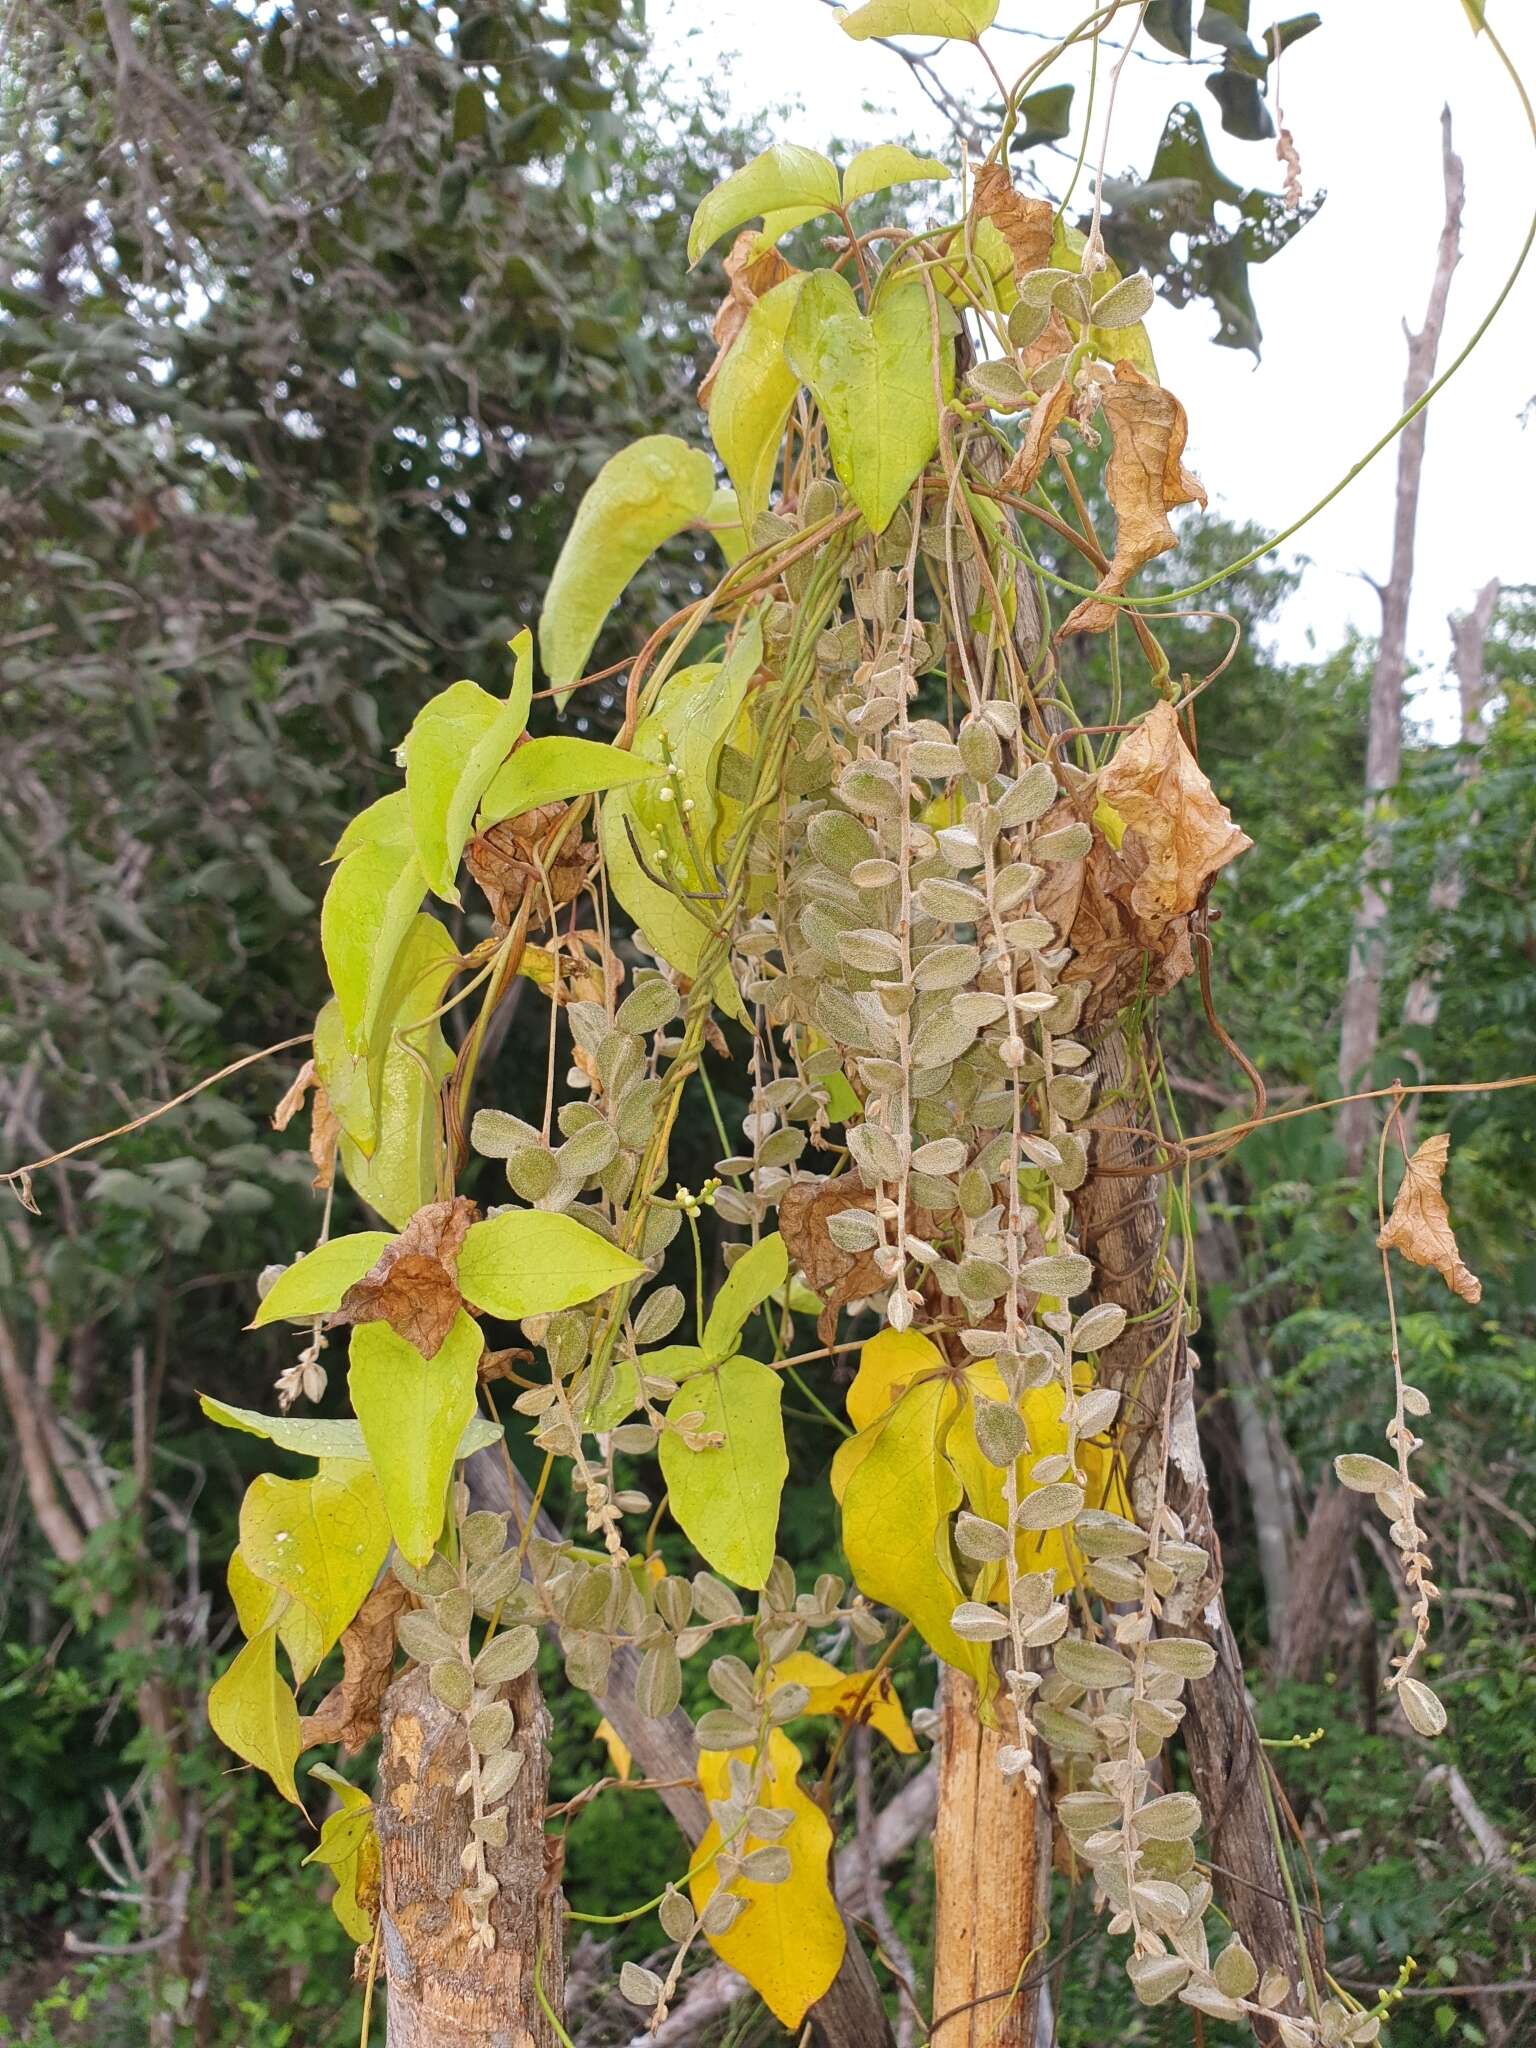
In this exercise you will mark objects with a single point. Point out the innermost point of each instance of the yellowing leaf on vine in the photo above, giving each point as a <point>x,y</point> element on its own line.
<point>887,164</point>
<point>320,1540</point>
<point>253,1713</point>
<point>313,1285</point>
<point>750,397</point>
<point>531,1262</point>
<point>386,821</point>
<point>888,1364</point>
<point>789,1943</point>
<point>724,1493</point>
<point>349,1849</point>
<point>413,1412</point>
<point>550,770</point>
<point>874,381</point>
<point>897,1503</point>
<point>369,906</point>
<point>851,1695</point>
<point>638,499</point>
<point>757,1275</point>
<point>618,1756</point>
<point>315,1436</point>
<point>396,1170</point>
<point>454,747</point>
<point>783,176</point>
<point>962,20</point>
<point>726,527</point>
<point>1420,1224</point>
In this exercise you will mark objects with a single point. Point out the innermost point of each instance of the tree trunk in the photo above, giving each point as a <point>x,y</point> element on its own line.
<point>851,2014</point>
<point>1120,1223</point>
<point>1264,1470</point>
<point>444,1993</point>
<point>1311,1620</point>
<point>991,1876</point>
<point>1360,1024</point>
<point>1469,635</point>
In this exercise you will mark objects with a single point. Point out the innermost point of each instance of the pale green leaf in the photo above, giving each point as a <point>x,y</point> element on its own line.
<point>413,1412</point>
<point>344,1076</point>
<point>1477,13</point>
<point>349,1849</point>
<point>453,749</point>
<point>316,1437</point>
<point>785,219</point>
<point>726,1500</point>
<point>639,498</point>
<point>386,821</point>
<point>756,1275</point>
<point>874,382</point>
<point>889,163</point>
<point>783,176</point>
<point>962,19</point>
<point>370,903</point>
<point>531,1262</point>
<point>751,397</point>
<point>258,1604</point>
<point>550,770</point>
<point>321,1540</point>
<point>253,1713</point>
<point>313,1286</point>
<point>398,1172</point>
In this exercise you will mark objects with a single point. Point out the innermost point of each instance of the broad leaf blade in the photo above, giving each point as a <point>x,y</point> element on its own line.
<point>452,751</point>
<point>638,499</point>
<point>550,770</point>
<point>314,1285</point>
<point>757,1274</point>
<point>726,1500</point>
<point>253,1713</point>
<point>313,1436</point>
<point>784,176</point>
<point>962,20</point>
<point>321,1540</point>
<point>531,1262</point>
<point>413,1414</point>
<point>889,163</point>
<point>368,908</point>
<point>751,397</point>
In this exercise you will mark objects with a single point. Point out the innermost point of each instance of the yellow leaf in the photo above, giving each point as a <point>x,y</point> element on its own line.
<point>314,1285</point>
<point>349,1848</point>
<point>253,1713</point>
<point>888,1365</point>
<point>849,1695</point>
<point>896,1508</point>
<point>618,1755</point>
<point>751,395</point>
<point>789,1943</point>
<point>368,908</point>
<point>320,1540</point>
<point>455,746</point>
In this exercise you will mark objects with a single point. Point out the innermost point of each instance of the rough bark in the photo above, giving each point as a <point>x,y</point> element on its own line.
<point>991,1881</point>
<point>442,1992</point>
<point>1310,1621</point>
<point>1360,1023</point>
<point>852,2013</point>
<point>1120,1225</point>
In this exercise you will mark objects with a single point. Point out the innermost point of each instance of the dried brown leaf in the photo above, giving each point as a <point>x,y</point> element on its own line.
<point>1145,478</point>
<point>349,1713</point>
<point>324,1137</point>
<point>750,276</point>
<point>837,1276</point>
<point>1034,450</point>
<point>1159,789</point>
<point>413,1286</point>
<point>505,862</point>
<point>1420,1224</point>
<point>1025,224</point>
<point>293,1097</point>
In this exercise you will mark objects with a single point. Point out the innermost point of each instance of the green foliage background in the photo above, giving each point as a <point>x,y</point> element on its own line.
<point>312,336</point>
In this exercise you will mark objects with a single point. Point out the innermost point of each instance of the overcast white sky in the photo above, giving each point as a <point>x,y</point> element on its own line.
<point>1362,96</point>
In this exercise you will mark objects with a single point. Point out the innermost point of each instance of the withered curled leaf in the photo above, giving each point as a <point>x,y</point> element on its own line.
<point>414,1287</point>
<point>1420,1224</point>
<point>349,1713</point>
<point>751,273</point>
<point>1023,472</point>
<point>1145,478</point>
<point>505,860</point>
<point>1024,224</point>
<point>1158,788</point>
<point>837,1276</point>
<point>324,1129</point>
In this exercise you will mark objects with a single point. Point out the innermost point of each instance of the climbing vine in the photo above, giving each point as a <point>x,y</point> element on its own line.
<point>854,819</point>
